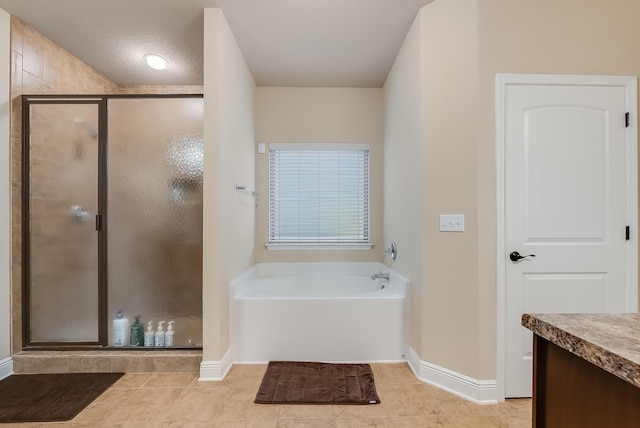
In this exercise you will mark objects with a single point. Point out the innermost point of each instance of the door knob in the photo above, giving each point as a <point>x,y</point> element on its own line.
<point>515,256</point>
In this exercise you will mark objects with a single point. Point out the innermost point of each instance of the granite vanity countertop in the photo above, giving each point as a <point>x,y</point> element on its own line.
<point>609,341</point>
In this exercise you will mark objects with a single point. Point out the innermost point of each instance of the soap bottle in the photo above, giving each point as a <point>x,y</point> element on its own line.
<point>137,333</point>
<point>159,337</point>
<point>120,330</point>
<point>168,336</point>
<point>149,335</point>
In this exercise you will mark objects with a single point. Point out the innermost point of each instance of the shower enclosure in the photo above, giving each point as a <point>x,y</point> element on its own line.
<point>112,203</point>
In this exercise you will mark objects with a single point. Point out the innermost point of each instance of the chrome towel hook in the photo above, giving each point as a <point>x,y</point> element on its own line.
<point>253,192</point>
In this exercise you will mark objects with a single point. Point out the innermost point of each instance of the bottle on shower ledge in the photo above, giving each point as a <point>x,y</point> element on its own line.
<point>159,336</point>
<point>137,332</point>
<point>149,335</point>
<point>121,330</point>
<point>168,336</point>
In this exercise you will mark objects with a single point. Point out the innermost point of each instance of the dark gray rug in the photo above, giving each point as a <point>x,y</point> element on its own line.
<point>50,397</point>
<point>294,382</point>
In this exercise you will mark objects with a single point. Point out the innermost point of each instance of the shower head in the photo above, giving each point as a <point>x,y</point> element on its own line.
<point>81,123</point>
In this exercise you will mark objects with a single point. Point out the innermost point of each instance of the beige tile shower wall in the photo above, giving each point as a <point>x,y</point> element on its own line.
<point>5,194</point>
<point>159,89</point>
<point>320,115</point>
<point>39,67</point>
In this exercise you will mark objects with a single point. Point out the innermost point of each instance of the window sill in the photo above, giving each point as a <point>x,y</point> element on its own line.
<point>318,247</point>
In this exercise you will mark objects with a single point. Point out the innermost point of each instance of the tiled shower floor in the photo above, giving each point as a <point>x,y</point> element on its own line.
<point>145,400</point>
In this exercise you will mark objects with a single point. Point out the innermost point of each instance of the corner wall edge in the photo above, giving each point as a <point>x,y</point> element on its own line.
<point>215,370</point>
<point>476,391</point>
<point>6,367</point>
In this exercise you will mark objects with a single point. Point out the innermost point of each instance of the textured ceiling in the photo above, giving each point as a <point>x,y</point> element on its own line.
<point>336,43</point>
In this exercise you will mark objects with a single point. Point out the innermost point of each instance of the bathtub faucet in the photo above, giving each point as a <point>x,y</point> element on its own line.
<point>384,276</point>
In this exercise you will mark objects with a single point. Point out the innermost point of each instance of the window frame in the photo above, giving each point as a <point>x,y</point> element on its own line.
<point>365,243</point>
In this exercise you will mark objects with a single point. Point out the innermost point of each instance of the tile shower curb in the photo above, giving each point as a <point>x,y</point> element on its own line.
<point>26,362</point>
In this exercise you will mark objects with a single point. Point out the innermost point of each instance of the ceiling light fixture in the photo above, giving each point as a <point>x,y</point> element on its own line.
<point>156,62</point>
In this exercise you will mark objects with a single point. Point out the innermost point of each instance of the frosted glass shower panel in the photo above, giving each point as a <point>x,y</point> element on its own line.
<point>63,202</point>
<point>155,166</point>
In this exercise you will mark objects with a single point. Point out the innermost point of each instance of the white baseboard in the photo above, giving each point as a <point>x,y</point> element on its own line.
<point>6,367</point>
<point>215,370</point>
<point>477,391</point>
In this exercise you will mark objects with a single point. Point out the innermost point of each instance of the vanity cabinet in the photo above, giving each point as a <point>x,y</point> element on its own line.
<point>586,370</point>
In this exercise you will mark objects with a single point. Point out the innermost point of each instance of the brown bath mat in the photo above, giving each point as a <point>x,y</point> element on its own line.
<point>291,382</point>
<point>50,397</point>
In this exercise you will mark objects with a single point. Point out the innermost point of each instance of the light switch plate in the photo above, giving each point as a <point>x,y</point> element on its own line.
<point>452,223</point>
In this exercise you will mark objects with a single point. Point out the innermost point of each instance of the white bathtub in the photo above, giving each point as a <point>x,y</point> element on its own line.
<point>330,312</point>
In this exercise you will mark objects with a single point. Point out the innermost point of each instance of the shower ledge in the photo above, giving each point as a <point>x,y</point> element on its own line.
<point>87,361</point>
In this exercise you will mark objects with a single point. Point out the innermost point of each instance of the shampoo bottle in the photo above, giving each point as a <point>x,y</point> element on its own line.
<point>149,335</point>
<point>137,333</point>
<point>120,330</point>
<point>168,336</point>
<point>159,338</point>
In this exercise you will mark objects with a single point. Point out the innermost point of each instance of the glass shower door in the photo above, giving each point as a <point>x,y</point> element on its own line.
<point>60,236</point>
<point>155,172</point>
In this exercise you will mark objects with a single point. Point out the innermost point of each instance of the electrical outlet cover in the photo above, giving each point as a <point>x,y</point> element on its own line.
<point>452,223</point>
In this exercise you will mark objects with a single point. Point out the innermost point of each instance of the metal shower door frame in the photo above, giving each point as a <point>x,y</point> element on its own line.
<point>101,217</point>
<point>27,102</point>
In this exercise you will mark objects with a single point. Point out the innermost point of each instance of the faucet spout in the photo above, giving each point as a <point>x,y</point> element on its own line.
<point>384,276</point>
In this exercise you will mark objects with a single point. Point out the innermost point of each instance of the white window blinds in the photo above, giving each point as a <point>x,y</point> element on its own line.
<point>319,194</point>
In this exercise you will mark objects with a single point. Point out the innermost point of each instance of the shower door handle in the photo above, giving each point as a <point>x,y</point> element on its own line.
<point>79,214</point>
<point>98,222</point>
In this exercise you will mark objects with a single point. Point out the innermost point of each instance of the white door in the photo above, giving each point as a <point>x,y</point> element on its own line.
<point>565,206</point>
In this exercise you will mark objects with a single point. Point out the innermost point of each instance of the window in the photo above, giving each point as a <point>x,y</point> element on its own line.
<point>319,195</point>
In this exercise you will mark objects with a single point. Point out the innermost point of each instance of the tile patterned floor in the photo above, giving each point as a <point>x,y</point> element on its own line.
<point>159,400</point>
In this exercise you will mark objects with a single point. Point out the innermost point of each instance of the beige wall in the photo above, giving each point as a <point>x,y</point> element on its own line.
<point>430,142</point>
<point>547,37</point>
<point>403,171</point>
<point>449,260</point>
<point>5,190</point>
<point>320,115</point>
<point>462,45</point>
<point>229,216</point>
